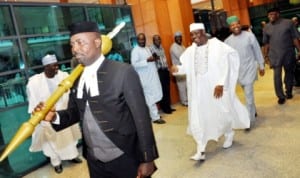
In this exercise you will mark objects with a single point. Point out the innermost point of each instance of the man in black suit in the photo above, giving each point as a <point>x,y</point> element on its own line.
<point>118,140</point>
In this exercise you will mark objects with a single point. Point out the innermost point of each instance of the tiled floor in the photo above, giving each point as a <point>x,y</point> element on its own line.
<point>270,150</point>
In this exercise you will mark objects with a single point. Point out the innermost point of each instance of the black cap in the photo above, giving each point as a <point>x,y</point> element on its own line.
<point>81,27</point>
<point>274,9</point>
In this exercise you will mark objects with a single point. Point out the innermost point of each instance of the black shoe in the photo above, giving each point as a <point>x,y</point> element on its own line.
<point>186,105</point>
<point>159,121</point>
<point>173,109</point>
<point>255,114</point>
<point>58,169</point>
<point>289,96</point>
<point>248,129</point>
<point>281,101</point>
<point>76,160</point>
<point>168,111</point>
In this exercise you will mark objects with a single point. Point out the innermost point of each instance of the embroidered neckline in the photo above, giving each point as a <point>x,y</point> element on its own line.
<point>201,61</point>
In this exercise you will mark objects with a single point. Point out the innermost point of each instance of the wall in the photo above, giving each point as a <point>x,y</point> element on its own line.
<point>163,17</point>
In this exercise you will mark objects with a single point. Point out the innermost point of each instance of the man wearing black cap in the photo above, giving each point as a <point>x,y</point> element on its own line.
<point>118,140</point>
<point>280,37</point>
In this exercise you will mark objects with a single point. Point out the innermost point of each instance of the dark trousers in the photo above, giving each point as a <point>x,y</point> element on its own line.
<point>165,102</point>
<point>122,167</point>
<point>289,74</point>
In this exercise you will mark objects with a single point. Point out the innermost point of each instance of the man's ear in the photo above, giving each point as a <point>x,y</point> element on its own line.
<point>98,42</point>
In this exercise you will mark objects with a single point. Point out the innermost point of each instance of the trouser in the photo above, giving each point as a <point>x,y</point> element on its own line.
<point>55,160</point>
<point>121,167</point>
<point>165,102</point>
<point>153,112</point>
<point>297,74</point>
<point>250,104</point>
<point>289,70</point>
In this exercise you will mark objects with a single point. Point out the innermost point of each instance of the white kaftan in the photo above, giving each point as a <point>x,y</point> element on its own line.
<point>56,145</point>
<point>217,64</point>
<point>147,72</point>
<point>175,51</point>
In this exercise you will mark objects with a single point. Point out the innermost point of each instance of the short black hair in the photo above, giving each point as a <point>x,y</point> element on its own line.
<point>274,9</point>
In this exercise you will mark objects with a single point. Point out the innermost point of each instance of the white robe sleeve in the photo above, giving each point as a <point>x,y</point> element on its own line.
<point>136,60</point>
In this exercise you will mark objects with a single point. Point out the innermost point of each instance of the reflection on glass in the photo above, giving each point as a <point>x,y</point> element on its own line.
<point>12,89</point>
<point>37,47</point>
<point>43,29</point>
<point>6,26</point>
<point>9,56</point>
<point>107,18</point>
<point>46,19</point>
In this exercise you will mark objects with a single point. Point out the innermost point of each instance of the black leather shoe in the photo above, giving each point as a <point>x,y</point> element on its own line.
<point>248,129</point>
<point>58,169</point>
<point>76,160</point>
<point>168,112</point>
<point>281,101</point>
<point>289,96</point>
<point>159,121</point>
<point>173,109</point>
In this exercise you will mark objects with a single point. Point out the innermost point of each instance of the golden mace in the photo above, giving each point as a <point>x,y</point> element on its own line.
<point>28,127</point>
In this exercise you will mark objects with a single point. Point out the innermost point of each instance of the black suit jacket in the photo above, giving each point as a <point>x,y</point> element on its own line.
<point>120,111</point>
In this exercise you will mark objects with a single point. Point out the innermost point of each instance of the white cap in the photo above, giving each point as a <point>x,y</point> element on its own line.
<point>196,26</point>
<point>49,59</point>
<point>178,34</point>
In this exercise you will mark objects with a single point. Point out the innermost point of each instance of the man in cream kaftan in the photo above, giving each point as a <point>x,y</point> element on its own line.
<point>211,68</point>
<point>56,145</point>
<point>176,50</point>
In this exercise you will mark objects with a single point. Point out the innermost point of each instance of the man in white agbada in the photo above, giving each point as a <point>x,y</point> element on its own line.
<point>144,64</point>
<point>211,68</point>
<point>251,59</point>
<point>56,145</point>
<point>176,50</point>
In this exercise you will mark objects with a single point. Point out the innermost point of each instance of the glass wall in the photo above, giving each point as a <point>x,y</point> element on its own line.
<point>103,16</point>
<point>28,31</point>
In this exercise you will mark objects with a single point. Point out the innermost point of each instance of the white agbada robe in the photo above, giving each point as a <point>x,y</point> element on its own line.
<point>210,118</point>
<point>57,145</point>
<point>147,72</point>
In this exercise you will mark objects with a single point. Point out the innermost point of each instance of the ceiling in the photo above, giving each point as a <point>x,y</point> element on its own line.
<point>196,4</point>
<point>207,4</point>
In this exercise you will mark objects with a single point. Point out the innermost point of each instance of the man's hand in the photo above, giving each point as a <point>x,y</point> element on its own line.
<point>151,59</point>
<point>261,72</point>
<point>146,169</point>
<point>218,93</point>
<point>51,116</point>
<point>174,69</point>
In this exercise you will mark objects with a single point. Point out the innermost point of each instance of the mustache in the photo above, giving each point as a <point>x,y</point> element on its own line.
<point>77,54</point>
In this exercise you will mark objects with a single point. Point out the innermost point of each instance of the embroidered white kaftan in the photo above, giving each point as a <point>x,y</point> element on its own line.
<point>206,67</point>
